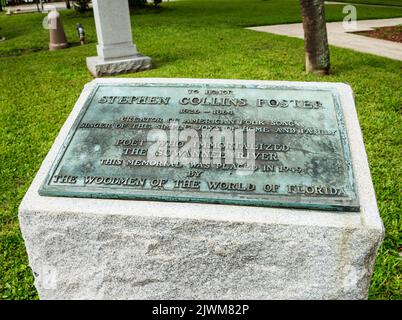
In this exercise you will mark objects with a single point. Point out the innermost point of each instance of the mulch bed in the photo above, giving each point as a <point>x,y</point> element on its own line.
<point>386,33</point>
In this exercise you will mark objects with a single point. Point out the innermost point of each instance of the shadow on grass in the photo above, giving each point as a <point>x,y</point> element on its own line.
<point>20,52</point>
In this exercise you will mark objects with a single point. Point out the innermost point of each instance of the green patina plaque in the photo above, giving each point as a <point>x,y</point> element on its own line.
<point>261,145</point>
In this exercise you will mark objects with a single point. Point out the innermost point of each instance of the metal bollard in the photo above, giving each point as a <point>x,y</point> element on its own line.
<point>57,36</point>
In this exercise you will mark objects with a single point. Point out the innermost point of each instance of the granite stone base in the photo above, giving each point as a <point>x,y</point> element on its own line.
<point>82,248</point>
<point>128,255</point>
<point>100,67</point>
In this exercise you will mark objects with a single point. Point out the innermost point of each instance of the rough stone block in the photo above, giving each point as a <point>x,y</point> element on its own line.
<point>100,67</point>
<point>82,248</point>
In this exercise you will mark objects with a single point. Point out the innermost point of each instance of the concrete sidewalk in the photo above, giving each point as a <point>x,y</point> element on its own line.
<point>31,7</point>
<point>340,37</point>
<point>362,4</point>
<point>60,5</point>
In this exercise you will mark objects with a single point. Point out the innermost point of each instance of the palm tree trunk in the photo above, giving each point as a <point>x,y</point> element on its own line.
<point>315,36</point>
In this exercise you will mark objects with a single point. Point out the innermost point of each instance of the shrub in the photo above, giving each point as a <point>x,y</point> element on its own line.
<point>142,3</point>
<point>81,5</point>
<point>137,3</point>
<point>157,2</point>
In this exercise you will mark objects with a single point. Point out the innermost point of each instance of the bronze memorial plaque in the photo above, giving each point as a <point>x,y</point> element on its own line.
<point>245,144</point>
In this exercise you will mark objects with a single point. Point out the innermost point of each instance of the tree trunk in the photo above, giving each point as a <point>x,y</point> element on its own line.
<point>68,5</point>
<point>315,36</point>
<point>1,6</point>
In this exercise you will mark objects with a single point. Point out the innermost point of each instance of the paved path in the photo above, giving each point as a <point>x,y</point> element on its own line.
<point>31,7</point>
<point>362,4</point>
<point>340,37</point>
<point>61,5</point>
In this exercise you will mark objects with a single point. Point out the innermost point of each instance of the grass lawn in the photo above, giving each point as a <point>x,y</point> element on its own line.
<point>199,39</point>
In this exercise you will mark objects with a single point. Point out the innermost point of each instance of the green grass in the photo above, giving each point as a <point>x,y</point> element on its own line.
<point>200,39</point>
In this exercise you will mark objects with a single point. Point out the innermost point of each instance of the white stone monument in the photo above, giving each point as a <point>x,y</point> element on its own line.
<point>83,248</point>
<point>116,51</point>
